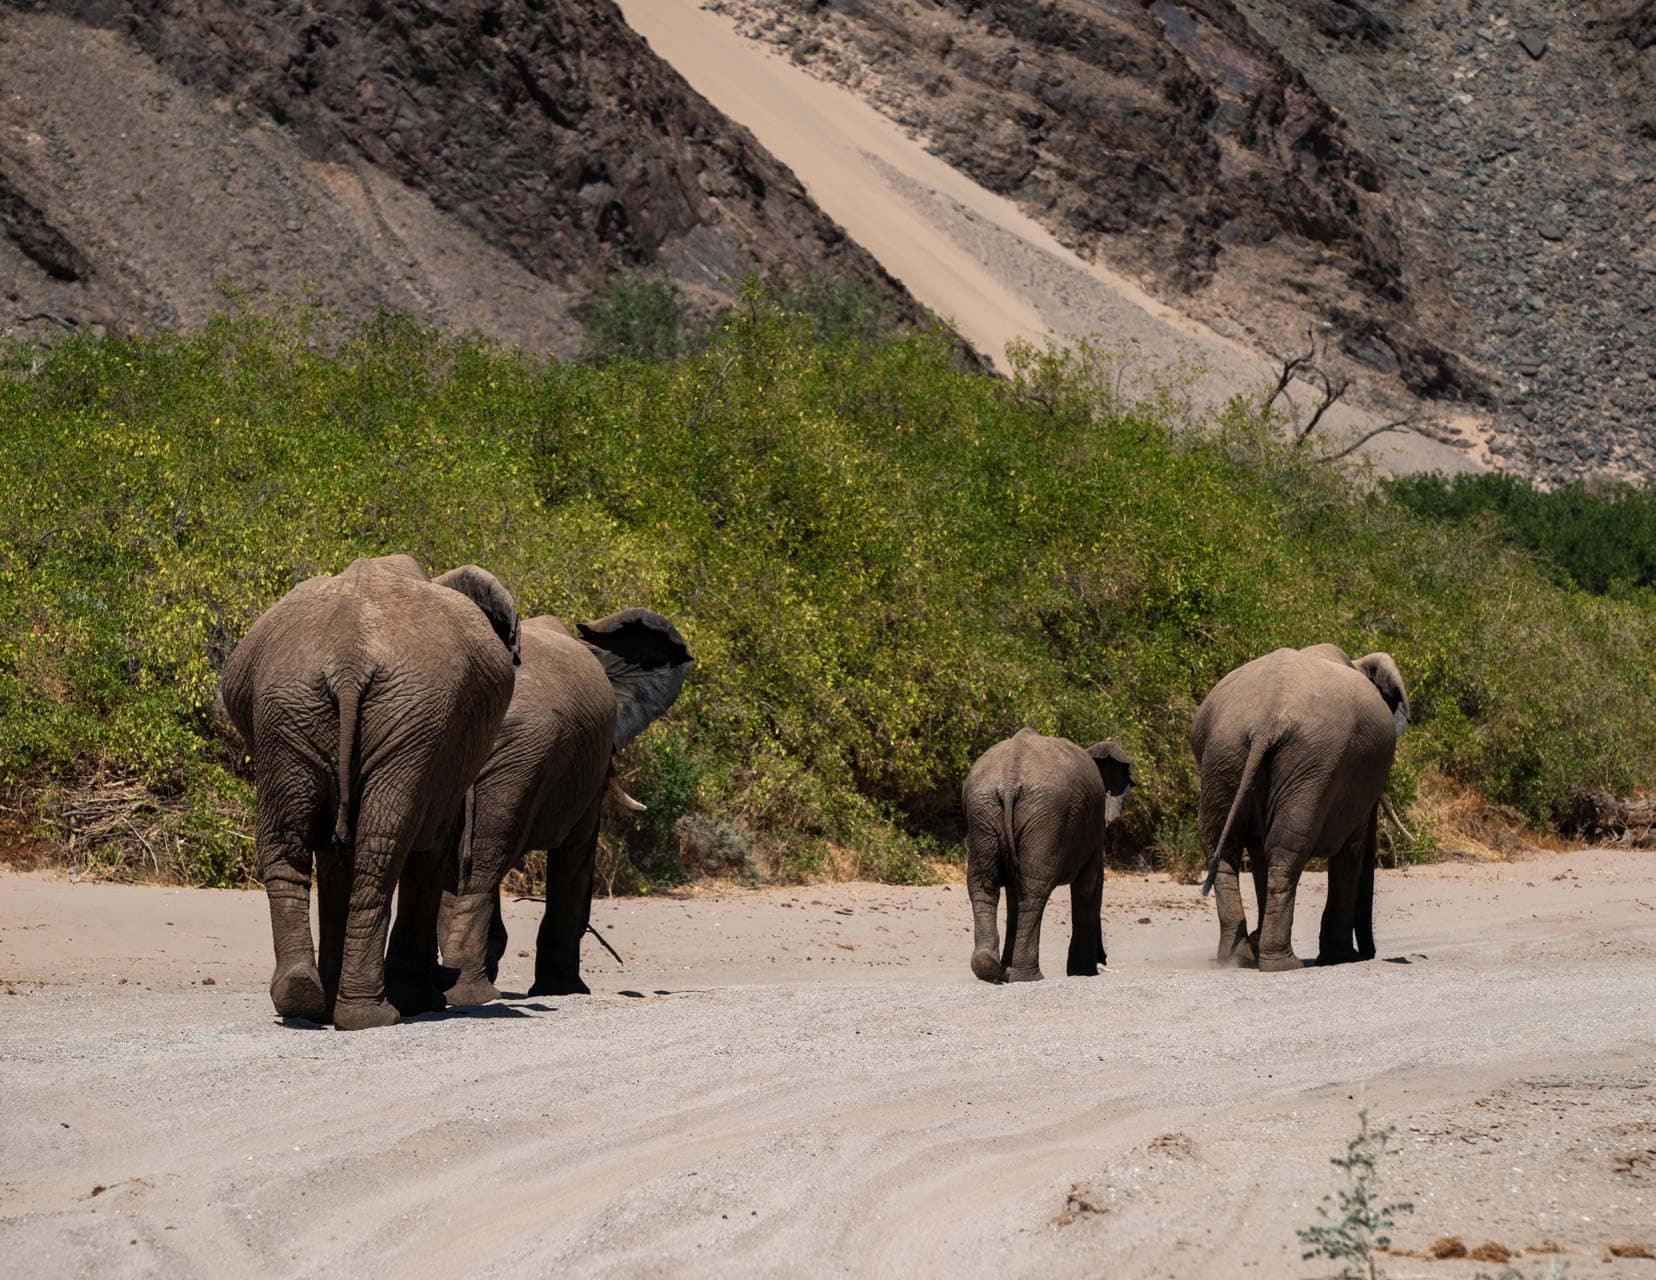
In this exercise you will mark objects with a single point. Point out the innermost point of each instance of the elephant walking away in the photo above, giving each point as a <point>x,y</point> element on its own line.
<point>368,702</point>
<point>1036,809</point>
<point>579,699</point>
<point>1294,750</point>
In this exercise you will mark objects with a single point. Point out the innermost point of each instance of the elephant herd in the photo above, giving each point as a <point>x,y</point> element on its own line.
<point>1293,750</point>
<point>410,734</point>
<point>413,736</point>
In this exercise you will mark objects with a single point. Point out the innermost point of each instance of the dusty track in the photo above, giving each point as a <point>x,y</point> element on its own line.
<point>809,1082</point>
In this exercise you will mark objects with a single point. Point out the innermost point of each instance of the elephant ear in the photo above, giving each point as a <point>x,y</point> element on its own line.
<point>1116,770</point>
<point>1384,676</point>
<point>483,589</point>
<point>646,661</point>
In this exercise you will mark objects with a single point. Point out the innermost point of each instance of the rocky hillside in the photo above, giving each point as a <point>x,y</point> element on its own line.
<point>1462,192</point>
<point>485,164</point>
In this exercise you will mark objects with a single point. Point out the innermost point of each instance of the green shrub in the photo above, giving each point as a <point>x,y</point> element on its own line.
<point>634,318</point>
<point>1603,541</point>
<point>883,564</point>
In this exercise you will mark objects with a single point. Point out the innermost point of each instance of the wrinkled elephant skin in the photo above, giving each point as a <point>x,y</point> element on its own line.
<point>578,700</point>
<point>1294,751</point>
<point>1036,809</point>
<point>368,702</point>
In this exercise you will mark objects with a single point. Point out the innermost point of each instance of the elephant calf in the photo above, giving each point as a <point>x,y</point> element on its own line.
<point>1036,809</point>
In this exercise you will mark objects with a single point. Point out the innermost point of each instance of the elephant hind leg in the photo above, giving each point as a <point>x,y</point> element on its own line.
<point>1023,929</point>
<point>1235,944</point>
<point>983,887</point>
<point>1276,926</point>
<point>288,798</point>
<point>1086,950</point>
<point>376,864</point>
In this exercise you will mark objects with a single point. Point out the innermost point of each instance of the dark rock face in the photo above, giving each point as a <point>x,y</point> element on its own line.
<point>538,142</point>
<point>1464,191</point>
<point>1514,143</point>
<point>1168,137</point>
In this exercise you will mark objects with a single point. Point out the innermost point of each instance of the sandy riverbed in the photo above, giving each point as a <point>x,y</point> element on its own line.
<point>808,1081</point>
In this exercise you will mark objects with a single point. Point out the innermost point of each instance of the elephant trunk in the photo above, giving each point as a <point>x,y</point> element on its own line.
<point>465,923</point>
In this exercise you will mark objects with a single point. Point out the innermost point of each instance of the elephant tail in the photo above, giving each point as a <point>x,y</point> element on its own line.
<point>1257,747</point>
<point>349,693</point>
<point>1006,841</point>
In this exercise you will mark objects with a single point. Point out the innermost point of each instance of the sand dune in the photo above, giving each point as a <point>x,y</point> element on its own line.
<point>962,250</point>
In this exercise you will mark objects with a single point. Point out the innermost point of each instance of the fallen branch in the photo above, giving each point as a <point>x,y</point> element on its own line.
<point>1600,817</point>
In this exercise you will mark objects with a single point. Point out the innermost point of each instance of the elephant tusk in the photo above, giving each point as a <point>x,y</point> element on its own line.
<point>1397,822</point>
<point>623,799</point>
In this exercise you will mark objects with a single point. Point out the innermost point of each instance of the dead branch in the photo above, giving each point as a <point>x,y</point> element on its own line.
<point>1290,366</point>
<point>1400,425</point>
<point>1604,819</point>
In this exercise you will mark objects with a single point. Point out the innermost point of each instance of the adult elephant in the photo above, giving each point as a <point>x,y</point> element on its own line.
<point>1036,809</point>
<point>1294,750</point>
<point>368,701</point>
<point>579,699</point>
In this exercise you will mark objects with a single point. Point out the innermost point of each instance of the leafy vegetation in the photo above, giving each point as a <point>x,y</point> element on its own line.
<point>882,561</point>
<point>1604,541</point>
<point>1354,1222</point>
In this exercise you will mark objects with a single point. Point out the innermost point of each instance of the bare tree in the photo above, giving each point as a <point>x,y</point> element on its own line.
<point>1312,367</point>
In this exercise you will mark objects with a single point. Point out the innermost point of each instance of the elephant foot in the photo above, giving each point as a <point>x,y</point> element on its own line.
<point>1029,973</point>
<point>1280,963</point>
<point>560,986</point>
<point>1348,956</point>
<point>411,998</point>
<point>1081,969</point>
<point>298,993</point>
<point>359,1015</point>
<point>1240,950</point>
<point>986,965</point>
<point>471,991</point>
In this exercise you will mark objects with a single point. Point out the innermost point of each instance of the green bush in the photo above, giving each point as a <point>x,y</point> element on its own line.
<point>883,564</point>
<point>1603,541</point>
<point>634,318</point>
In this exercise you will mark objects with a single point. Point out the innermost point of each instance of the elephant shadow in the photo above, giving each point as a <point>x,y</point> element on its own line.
<point>492,1010</point>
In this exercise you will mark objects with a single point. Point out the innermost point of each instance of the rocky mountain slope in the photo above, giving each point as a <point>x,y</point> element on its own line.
<point>485,164</point>
<point>1462,193</point>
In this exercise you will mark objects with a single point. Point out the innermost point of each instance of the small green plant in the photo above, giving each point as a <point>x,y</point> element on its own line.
<point>634,318</point>
<point>1355,1221</point>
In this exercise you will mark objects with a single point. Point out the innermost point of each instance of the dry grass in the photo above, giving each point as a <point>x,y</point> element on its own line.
<point>1462,823</point>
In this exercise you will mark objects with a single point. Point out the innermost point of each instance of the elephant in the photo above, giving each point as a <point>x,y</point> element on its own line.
<point>1036,808</point>
<point>1294,751</point>
<point>579,699</point>
<point>368,702</point>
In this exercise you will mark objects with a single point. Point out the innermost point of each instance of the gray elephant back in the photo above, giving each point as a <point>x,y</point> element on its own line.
<point>377,616</point>
<point>1038,764</point>
<point>561,689</point>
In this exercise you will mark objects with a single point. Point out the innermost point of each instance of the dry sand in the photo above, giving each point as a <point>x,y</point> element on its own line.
<point>965,252</point>
<point>808,1081</point>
